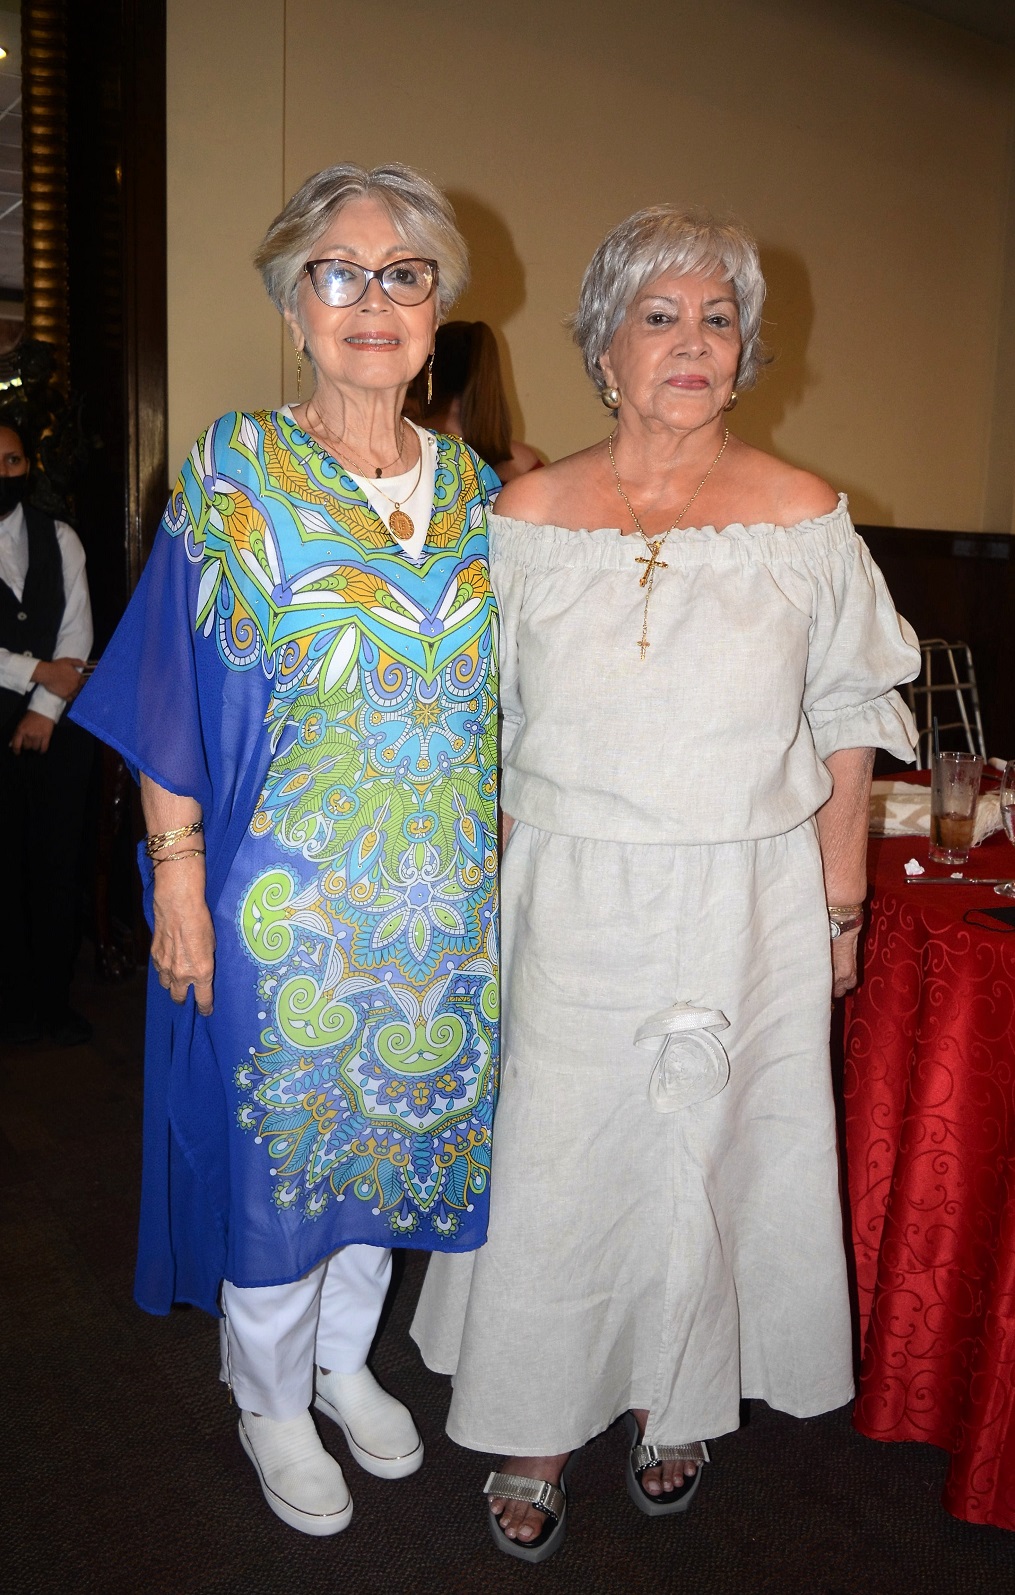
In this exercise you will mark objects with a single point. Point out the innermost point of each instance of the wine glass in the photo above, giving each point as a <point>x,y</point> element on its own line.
<point>1008,819</point>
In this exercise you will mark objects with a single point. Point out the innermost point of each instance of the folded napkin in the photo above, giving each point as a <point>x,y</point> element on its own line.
<point>897,808</point>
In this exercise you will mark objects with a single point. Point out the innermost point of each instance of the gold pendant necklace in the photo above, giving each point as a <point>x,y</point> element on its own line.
<point>339,446</point>
<point>399,524</point>
<point>655,545</point>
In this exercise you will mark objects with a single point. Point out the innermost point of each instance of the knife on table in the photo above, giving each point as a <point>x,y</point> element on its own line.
<point>957,880</point>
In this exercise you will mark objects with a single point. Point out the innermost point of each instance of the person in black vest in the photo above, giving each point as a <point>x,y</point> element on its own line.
<point>45,638</point>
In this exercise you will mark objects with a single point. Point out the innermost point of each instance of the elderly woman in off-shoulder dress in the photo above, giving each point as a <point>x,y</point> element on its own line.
<point>699,659</point>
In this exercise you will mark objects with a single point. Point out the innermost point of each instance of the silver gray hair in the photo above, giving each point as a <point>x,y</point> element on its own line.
<point>420,214</point>
<point>662,239</point>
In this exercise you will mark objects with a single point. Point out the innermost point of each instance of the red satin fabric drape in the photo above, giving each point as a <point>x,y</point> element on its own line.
<point>930,1149</point>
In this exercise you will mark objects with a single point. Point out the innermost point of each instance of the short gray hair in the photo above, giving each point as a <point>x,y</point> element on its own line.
<point>420,214</point>
<point>660,239</point>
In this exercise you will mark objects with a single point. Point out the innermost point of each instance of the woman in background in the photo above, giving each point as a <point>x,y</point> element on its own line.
<point>468,398</point>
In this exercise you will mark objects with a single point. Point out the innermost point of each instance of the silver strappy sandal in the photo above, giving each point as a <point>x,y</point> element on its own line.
<point>548,1498</point>
<point>642,1457</point>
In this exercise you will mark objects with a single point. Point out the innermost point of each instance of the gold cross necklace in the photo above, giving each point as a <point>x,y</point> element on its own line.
<point>655,544</point>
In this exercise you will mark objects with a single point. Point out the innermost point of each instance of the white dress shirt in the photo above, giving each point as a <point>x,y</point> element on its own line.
<point>74,638</point>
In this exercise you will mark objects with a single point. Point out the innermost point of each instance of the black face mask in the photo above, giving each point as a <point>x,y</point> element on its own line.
<point>12,491</point>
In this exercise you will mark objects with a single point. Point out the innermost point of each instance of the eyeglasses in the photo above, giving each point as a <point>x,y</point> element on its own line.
<point>342,283</point>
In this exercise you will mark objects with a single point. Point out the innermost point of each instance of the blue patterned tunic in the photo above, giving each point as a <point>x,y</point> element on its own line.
<point>332,705</point>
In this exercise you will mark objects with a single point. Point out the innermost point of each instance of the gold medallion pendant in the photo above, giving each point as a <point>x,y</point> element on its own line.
<point>401,526</point>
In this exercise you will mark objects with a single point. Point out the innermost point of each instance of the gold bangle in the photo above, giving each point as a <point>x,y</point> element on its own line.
<point>843,920</point>
<point>156,840</point>
<point>176,858</point>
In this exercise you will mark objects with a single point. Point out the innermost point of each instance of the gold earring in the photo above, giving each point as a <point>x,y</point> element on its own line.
<point>611,398</point>
<point>299,374</point>
<point>731,402</point>
<point>429,377</point>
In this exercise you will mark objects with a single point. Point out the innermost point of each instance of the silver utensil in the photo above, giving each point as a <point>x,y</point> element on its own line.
<point>956,880</point>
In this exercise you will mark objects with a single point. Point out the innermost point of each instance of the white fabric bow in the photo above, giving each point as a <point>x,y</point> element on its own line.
<point>692,1064</point>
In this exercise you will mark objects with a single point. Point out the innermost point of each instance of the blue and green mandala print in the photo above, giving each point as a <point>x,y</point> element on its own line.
<point>366,892</point>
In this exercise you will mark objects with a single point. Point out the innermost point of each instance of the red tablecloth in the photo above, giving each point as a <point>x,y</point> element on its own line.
<point>930,1150</point>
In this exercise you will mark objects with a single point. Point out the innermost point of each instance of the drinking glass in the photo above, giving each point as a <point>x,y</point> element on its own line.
<point>954,789</point>
<point>1008,819</point>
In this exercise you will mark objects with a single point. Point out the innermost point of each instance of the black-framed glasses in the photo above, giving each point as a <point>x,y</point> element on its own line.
<point>341,283</point>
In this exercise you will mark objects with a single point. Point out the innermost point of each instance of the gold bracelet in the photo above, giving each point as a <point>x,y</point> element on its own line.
<point>175,858</point>
<point>844,919</point>
<point>156,840</point>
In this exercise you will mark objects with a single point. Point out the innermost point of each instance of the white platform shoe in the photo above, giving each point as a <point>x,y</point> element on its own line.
<point>379,1429</point>
<point>302,1484</point>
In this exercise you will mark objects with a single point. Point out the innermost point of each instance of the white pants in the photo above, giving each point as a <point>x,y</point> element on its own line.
<point>272,1335</point>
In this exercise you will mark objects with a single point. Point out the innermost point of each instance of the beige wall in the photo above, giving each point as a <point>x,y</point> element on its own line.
<point>225,146</point>
<point>868,146</point>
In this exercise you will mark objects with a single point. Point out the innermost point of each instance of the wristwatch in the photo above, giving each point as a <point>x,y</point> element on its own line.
<point>842,919</point>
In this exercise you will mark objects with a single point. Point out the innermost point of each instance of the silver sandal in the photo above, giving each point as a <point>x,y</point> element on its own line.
<point>548,1498</point>
<point>642,1457</point>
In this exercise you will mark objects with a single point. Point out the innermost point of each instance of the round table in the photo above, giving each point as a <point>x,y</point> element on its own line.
<point>929,1089</point>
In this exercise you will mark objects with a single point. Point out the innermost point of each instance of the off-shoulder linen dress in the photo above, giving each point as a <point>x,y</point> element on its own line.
<point>665,851</point>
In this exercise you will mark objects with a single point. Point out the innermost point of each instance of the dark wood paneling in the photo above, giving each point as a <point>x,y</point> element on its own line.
<point>44,154</point>
<point>144,272</point>
<point>960,586</point>
<point>117,251</point>
<point>116,193</point>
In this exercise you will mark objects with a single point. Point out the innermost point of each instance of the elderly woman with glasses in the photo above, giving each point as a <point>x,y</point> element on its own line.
<point>698,657</point>
<point>305,681</point>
